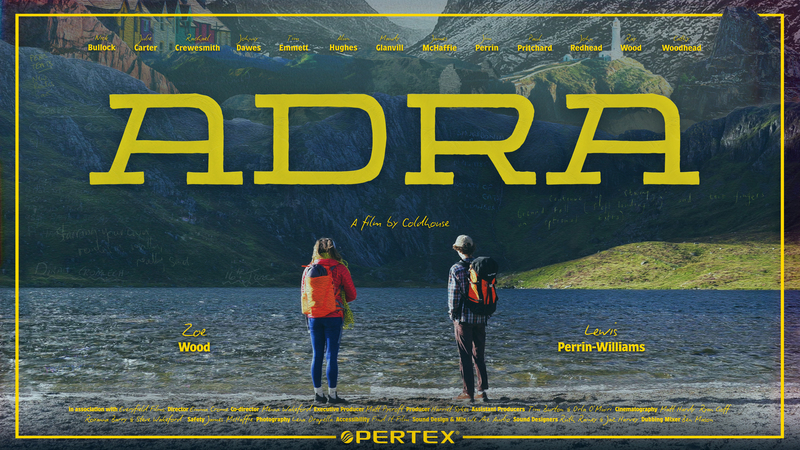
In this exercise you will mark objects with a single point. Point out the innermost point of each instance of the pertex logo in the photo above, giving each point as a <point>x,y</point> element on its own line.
<point>347,437</point>
<point>399,437</point>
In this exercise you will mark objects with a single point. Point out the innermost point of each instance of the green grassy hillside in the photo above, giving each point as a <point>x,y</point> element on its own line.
<point>730,262</point>
<point>623,76</point>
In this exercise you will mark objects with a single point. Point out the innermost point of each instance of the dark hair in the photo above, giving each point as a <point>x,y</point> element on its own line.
<point>467,249</point>
<point>325,245</point>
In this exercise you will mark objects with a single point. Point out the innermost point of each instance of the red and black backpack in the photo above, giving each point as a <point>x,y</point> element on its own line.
<point>481,294</point>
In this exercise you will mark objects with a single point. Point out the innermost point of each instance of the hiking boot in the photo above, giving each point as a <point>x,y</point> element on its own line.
<point>482,397</point>
<point>337,400</point>
<point>462,397</point>
<point>320,398</point>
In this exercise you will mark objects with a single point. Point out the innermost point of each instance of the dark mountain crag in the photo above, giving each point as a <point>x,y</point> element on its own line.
<point>744,69</point>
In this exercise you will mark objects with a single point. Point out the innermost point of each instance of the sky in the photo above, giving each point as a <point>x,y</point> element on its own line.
<point>411,6</point>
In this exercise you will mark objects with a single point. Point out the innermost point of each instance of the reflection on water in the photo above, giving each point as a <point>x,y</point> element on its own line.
<point>126,339</point>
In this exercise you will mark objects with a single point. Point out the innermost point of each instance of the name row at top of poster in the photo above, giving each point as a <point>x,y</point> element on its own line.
<point>249,46</point>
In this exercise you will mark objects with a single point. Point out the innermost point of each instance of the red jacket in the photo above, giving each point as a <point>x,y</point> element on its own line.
<point>341,279</point>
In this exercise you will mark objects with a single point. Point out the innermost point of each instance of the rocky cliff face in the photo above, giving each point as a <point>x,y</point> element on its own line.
<point>744,69</point>
<point>70,36</point>
<point>748,135</point>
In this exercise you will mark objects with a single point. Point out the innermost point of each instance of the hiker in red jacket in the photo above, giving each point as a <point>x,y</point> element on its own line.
<point>325,288</point>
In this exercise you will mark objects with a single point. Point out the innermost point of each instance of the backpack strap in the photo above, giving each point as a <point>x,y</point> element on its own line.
<point>463,297</point>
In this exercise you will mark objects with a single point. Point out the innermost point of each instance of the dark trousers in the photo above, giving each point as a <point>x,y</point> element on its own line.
<point>471,340</point>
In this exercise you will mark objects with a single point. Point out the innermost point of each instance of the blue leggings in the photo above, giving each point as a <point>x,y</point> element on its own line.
<point>326,332</point>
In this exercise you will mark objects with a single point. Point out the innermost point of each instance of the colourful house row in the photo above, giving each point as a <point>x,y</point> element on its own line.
<point>162,32</point>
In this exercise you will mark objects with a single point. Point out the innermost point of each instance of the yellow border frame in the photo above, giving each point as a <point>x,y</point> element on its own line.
<point>16,221</point>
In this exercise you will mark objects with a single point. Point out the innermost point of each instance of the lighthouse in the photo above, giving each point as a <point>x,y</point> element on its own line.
<point>615,52</point>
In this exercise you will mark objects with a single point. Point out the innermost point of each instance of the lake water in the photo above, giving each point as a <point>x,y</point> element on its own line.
<point>126,340</point>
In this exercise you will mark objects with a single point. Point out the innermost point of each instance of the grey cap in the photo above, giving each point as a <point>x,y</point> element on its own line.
<point>464,241</point>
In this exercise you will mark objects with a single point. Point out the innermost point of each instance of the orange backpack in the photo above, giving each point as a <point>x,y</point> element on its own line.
<point>319,292</point>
